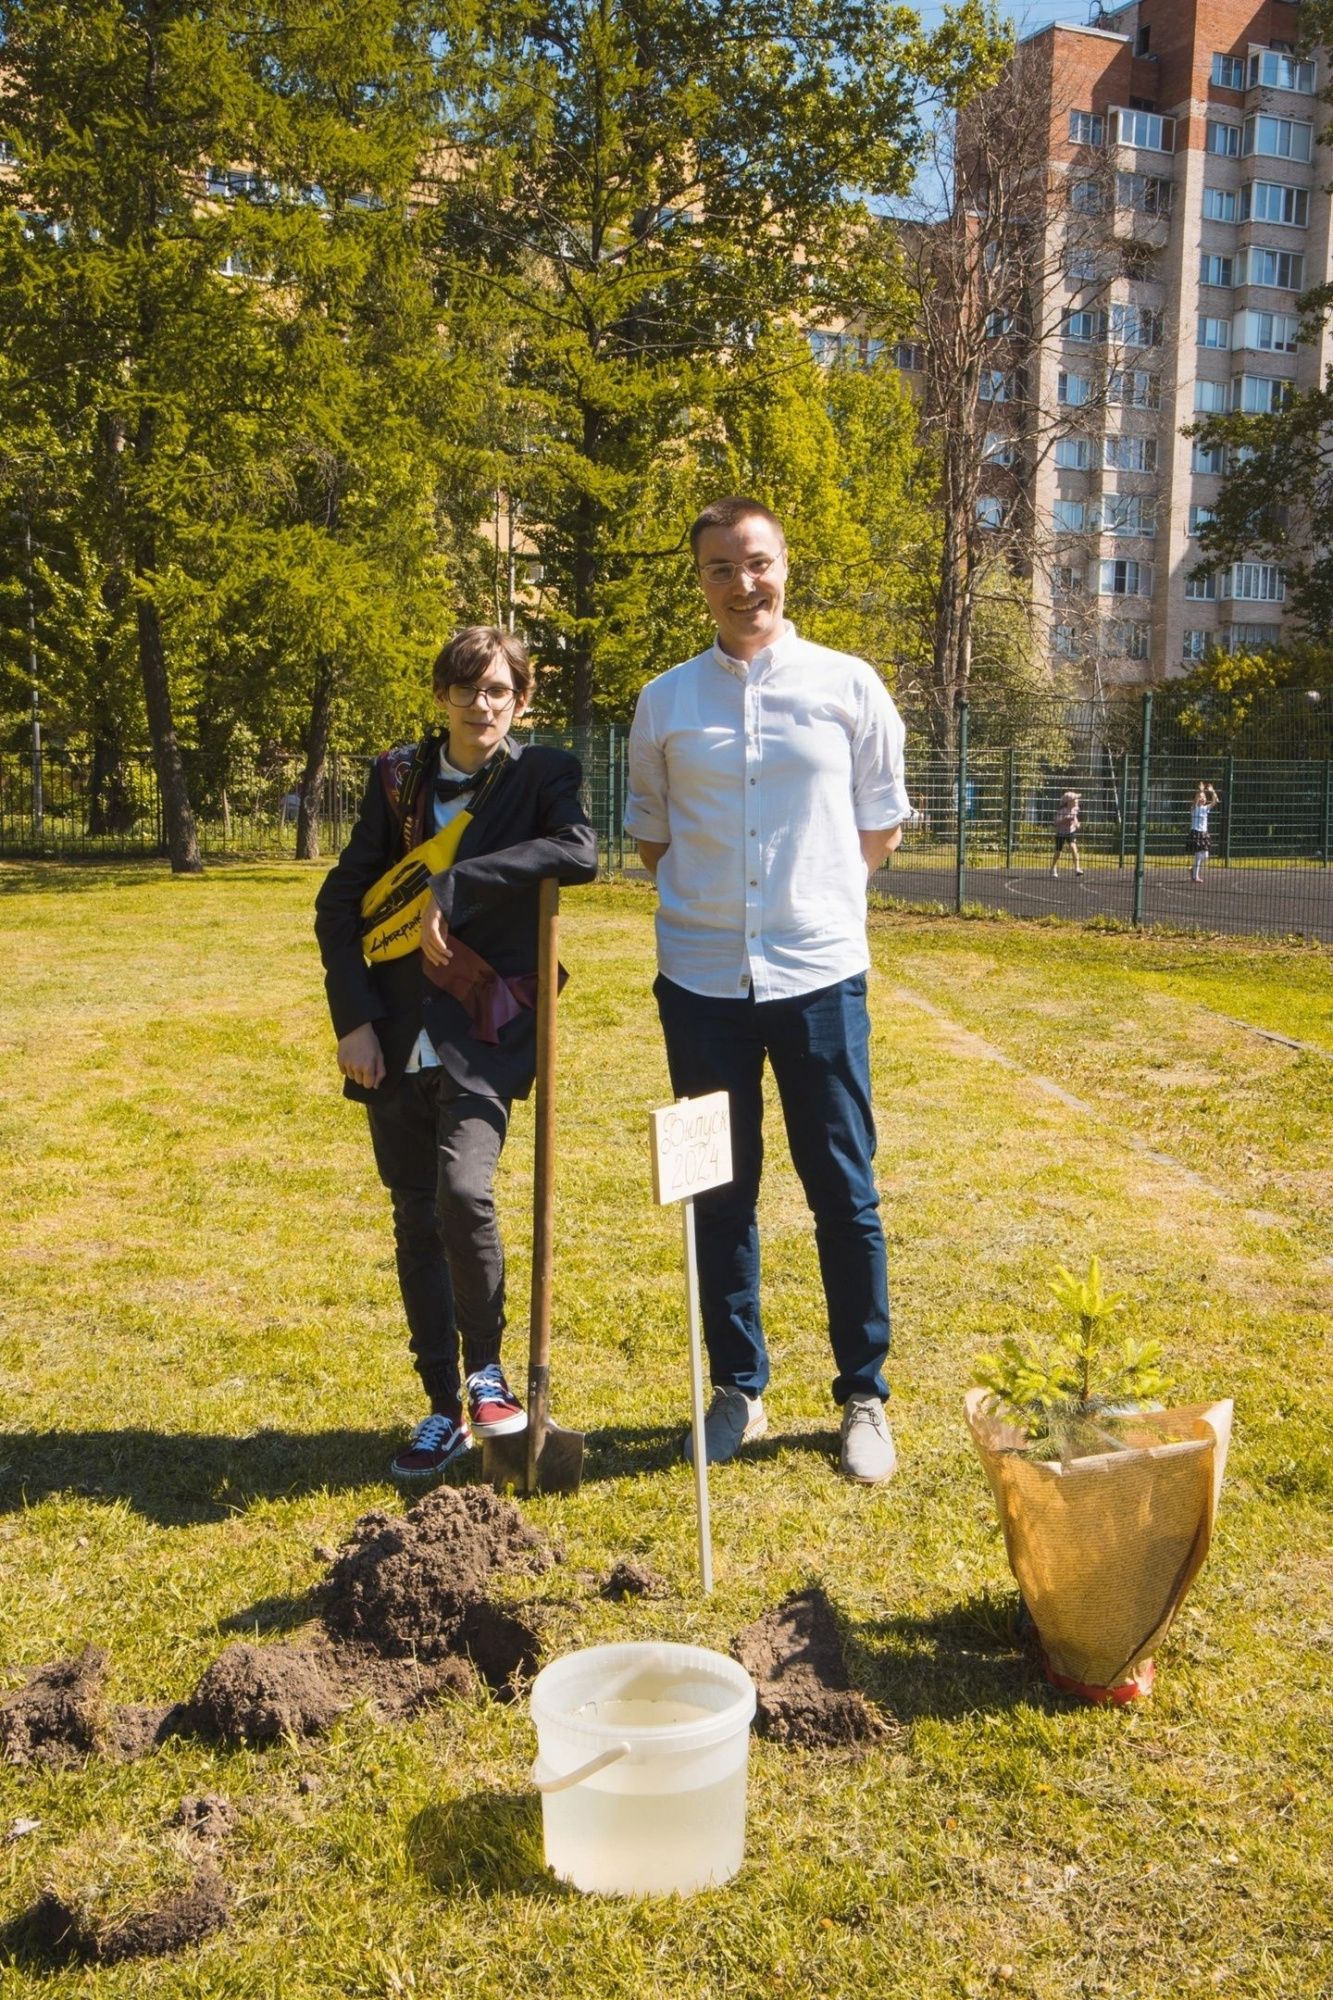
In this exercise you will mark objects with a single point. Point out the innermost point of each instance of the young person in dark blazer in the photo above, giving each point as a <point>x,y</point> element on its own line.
<point>438,1042</point>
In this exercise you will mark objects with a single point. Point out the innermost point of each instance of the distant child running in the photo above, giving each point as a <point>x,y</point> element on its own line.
<point>1066,831</point>
<point>1197,843</point>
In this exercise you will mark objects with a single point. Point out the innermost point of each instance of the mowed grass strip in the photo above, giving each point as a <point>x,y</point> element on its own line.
<point>203,1372</point>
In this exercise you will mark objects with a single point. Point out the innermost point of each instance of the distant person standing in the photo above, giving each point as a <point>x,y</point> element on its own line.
<point>1066,831</point>
<point>1197,844</point>
<point>766,785</point>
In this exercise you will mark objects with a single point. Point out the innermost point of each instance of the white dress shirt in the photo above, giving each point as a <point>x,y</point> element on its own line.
<point>759,778</point>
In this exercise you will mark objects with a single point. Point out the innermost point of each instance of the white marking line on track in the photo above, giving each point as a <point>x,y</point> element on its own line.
<point>978,1047</point>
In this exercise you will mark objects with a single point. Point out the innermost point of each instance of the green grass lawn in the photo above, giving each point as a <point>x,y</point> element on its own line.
<point>202,1374</point>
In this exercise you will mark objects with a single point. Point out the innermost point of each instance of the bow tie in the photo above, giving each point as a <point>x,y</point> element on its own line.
<point>454,788</point>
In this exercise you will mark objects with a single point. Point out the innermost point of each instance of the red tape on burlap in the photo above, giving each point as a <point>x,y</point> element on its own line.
<point>1132,1690</point>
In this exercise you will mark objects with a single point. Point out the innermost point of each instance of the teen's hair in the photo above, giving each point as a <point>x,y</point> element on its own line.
<point>729,513</point>
<point>1066,796</point>
<point>475,649</point>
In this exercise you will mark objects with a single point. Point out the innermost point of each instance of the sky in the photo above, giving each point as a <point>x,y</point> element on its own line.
<point>1026,14</point>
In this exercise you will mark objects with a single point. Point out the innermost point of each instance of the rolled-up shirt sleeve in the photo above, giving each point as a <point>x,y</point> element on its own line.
<point>879,778</point>
<point>647,814</point>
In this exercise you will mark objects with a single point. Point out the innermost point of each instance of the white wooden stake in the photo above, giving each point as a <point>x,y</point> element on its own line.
<point>697,1400</point>
<point>691,1142</point>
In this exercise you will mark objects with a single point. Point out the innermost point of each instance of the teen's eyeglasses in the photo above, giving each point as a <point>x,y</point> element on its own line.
<point>724,572</point>
<point>466,694</point>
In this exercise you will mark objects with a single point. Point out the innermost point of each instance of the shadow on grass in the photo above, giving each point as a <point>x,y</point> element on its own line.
<point>183,1478</point>
<point>620,1453</point>
<point>77,877</point>
<point>23,1949</point>
<point>489,1842</point>
<point>967,1659</point>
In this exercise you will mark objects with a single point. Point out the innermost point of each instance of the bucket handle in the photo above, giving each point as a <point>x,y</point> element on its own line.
<point>611,1755</point>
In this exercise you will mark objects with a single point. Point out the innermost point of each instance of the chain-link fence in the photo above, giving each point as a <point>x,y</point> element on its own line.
<point>1136,763</point>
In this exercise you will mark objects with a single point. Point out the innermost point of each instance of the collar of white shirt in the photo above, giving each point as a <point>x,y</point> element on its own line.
<point>777,651</point>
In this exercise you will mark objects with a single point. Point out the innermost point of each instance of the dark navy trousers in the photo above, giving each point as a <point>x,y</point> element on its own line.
<point>819,1046</point>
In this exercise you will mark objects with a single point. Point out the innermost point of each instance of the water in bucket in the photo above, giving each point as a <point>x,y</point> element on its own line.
<point>642,1767</point>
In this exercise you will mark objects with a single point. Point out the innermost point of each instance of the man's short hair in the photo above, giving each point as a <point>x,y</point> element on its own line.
<point>729,513</point>
<point>474,650</point>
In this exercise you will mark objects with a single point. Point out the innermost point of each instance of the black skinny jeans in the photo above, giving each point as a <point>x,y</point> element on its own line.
<point>437,1148</point>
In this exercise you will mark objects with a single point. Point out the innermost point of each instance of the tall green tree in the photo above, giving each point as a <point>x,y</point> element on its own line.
<point>639,190</point>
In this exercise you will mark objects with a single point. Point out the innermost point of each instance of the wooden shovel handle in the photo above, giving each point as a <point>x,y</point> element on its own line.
<point>543,1177</point>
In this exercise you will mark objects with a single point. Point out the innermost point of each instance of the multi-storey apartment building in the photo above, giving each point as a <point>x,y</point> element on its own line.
<point>1191,127</point>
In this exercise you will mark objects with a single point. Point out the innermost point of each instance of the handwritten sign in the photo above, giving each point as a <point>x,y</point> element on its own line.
<point>691,1146</point>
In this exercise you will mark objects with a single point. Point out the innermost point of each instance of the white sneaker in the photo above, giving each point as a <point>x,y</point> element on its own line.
<point>867,1454</point>
<point>731,1420</point>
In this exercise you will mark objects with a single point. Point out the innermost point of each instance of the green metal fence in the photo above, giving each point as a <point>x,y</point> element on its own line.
<point>985,782</point>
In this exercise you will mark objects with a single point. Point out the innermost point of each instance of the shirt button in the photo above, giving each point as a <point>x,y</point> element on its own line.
<point>754,832</point>
<point>754,781</point>
<point>754,884</point>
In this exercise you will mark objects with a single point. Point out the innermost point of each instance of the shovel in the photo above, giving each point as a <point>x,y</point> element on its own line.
<point>543,1458</point>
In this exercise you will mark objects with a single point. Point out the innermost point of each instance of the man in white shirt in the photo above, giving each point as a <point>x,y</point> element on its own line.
<point>766,783</point>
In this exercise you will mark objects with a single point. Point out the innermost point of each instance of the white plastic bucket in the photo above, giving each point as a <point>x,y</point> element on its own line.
<point>642,1752</point>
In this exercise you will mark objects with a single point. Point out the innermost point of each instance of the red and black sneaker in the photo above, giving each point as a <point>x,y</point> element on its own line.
<point>435,1443</point>
<point>493,1409</point>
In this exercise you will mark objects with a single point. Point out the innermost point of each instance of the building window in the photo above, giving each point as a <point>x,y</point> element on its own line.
<point>1214,270</point>
<point>1260,395</point>
<point>1119,577</point>
<point>1209,458</point>
<point>1073,454</point>
<point>1202,589</point>
<point>1128,514</point>
<point>1141,41</point>
<point>1086,128</point>
<point>1198,519</point>
<point>1277,138</point>
<point>1222,138</point>
<point>1129,454</point>
<point>1136,326</point>
<point>909,355</point>
<point>1281,270</point>
<point>1194,643</point>
<point>1072,390</point>
<point>1252,638</point>
<point>1220,205</point>
<point>1066,582</point>
<point>1229,72</point>
<point>1067,517</point>
<point>1083,326</point>
<point>1127,638</point>
<point>1149,194</point>
<point>1281,72</point>
<point>1256,583</point>
<point>990,511</point>
<point>1063,641</point>
<point>1270,333</point>
<point>1210,398</point>
<point>995,386</point>
<point>1086,197</point>
<point>1147,130</point>
<point>1275,201</point>
<point>1214,332</point>
<point>1133,388</point>
<point>998,448</point>
<point>1081,267</point>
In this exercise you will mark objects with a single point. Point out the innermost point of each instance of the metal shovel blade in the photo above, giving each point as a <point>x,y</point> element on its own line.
<point>556,1466</point>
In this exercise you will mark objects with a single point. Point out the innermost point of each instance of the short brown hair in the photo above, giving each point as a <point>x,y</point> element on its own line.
<point>473,649</point>
<point>729,513</point>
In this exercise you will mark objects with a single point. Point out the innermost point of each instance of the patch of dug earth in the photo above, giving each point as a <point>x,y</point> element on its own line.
<point>794,1656</point>
<point>206,1817</point>
<point>405,1584</point>
<point>110,1896</point>
<point>632,1579</point>
<point>58,1714</point>
<point>61,1930</point>
<point>259,1694</point>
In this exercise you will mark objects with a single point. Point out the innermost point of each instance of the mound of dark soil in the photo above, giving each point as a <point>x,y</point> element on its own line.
<point>133,1730</point>
<point>399,1688</point>
<point>206,1817</point>
<point>632,1579</point>
<point>58,1713</point>
<point>62,1931</point>
<point>794,1656</point>
<point>404,1582</point>
<point>259,1694</point>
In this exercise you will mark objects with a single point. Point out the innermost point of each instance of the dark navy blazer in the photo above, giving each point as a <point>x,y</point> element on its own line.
<point>531,825</point>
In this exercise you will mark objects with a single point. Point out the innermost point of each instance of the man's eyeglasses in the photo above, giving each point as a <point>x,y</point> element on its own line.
<point>724,572</point>
<point>466,694</point>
